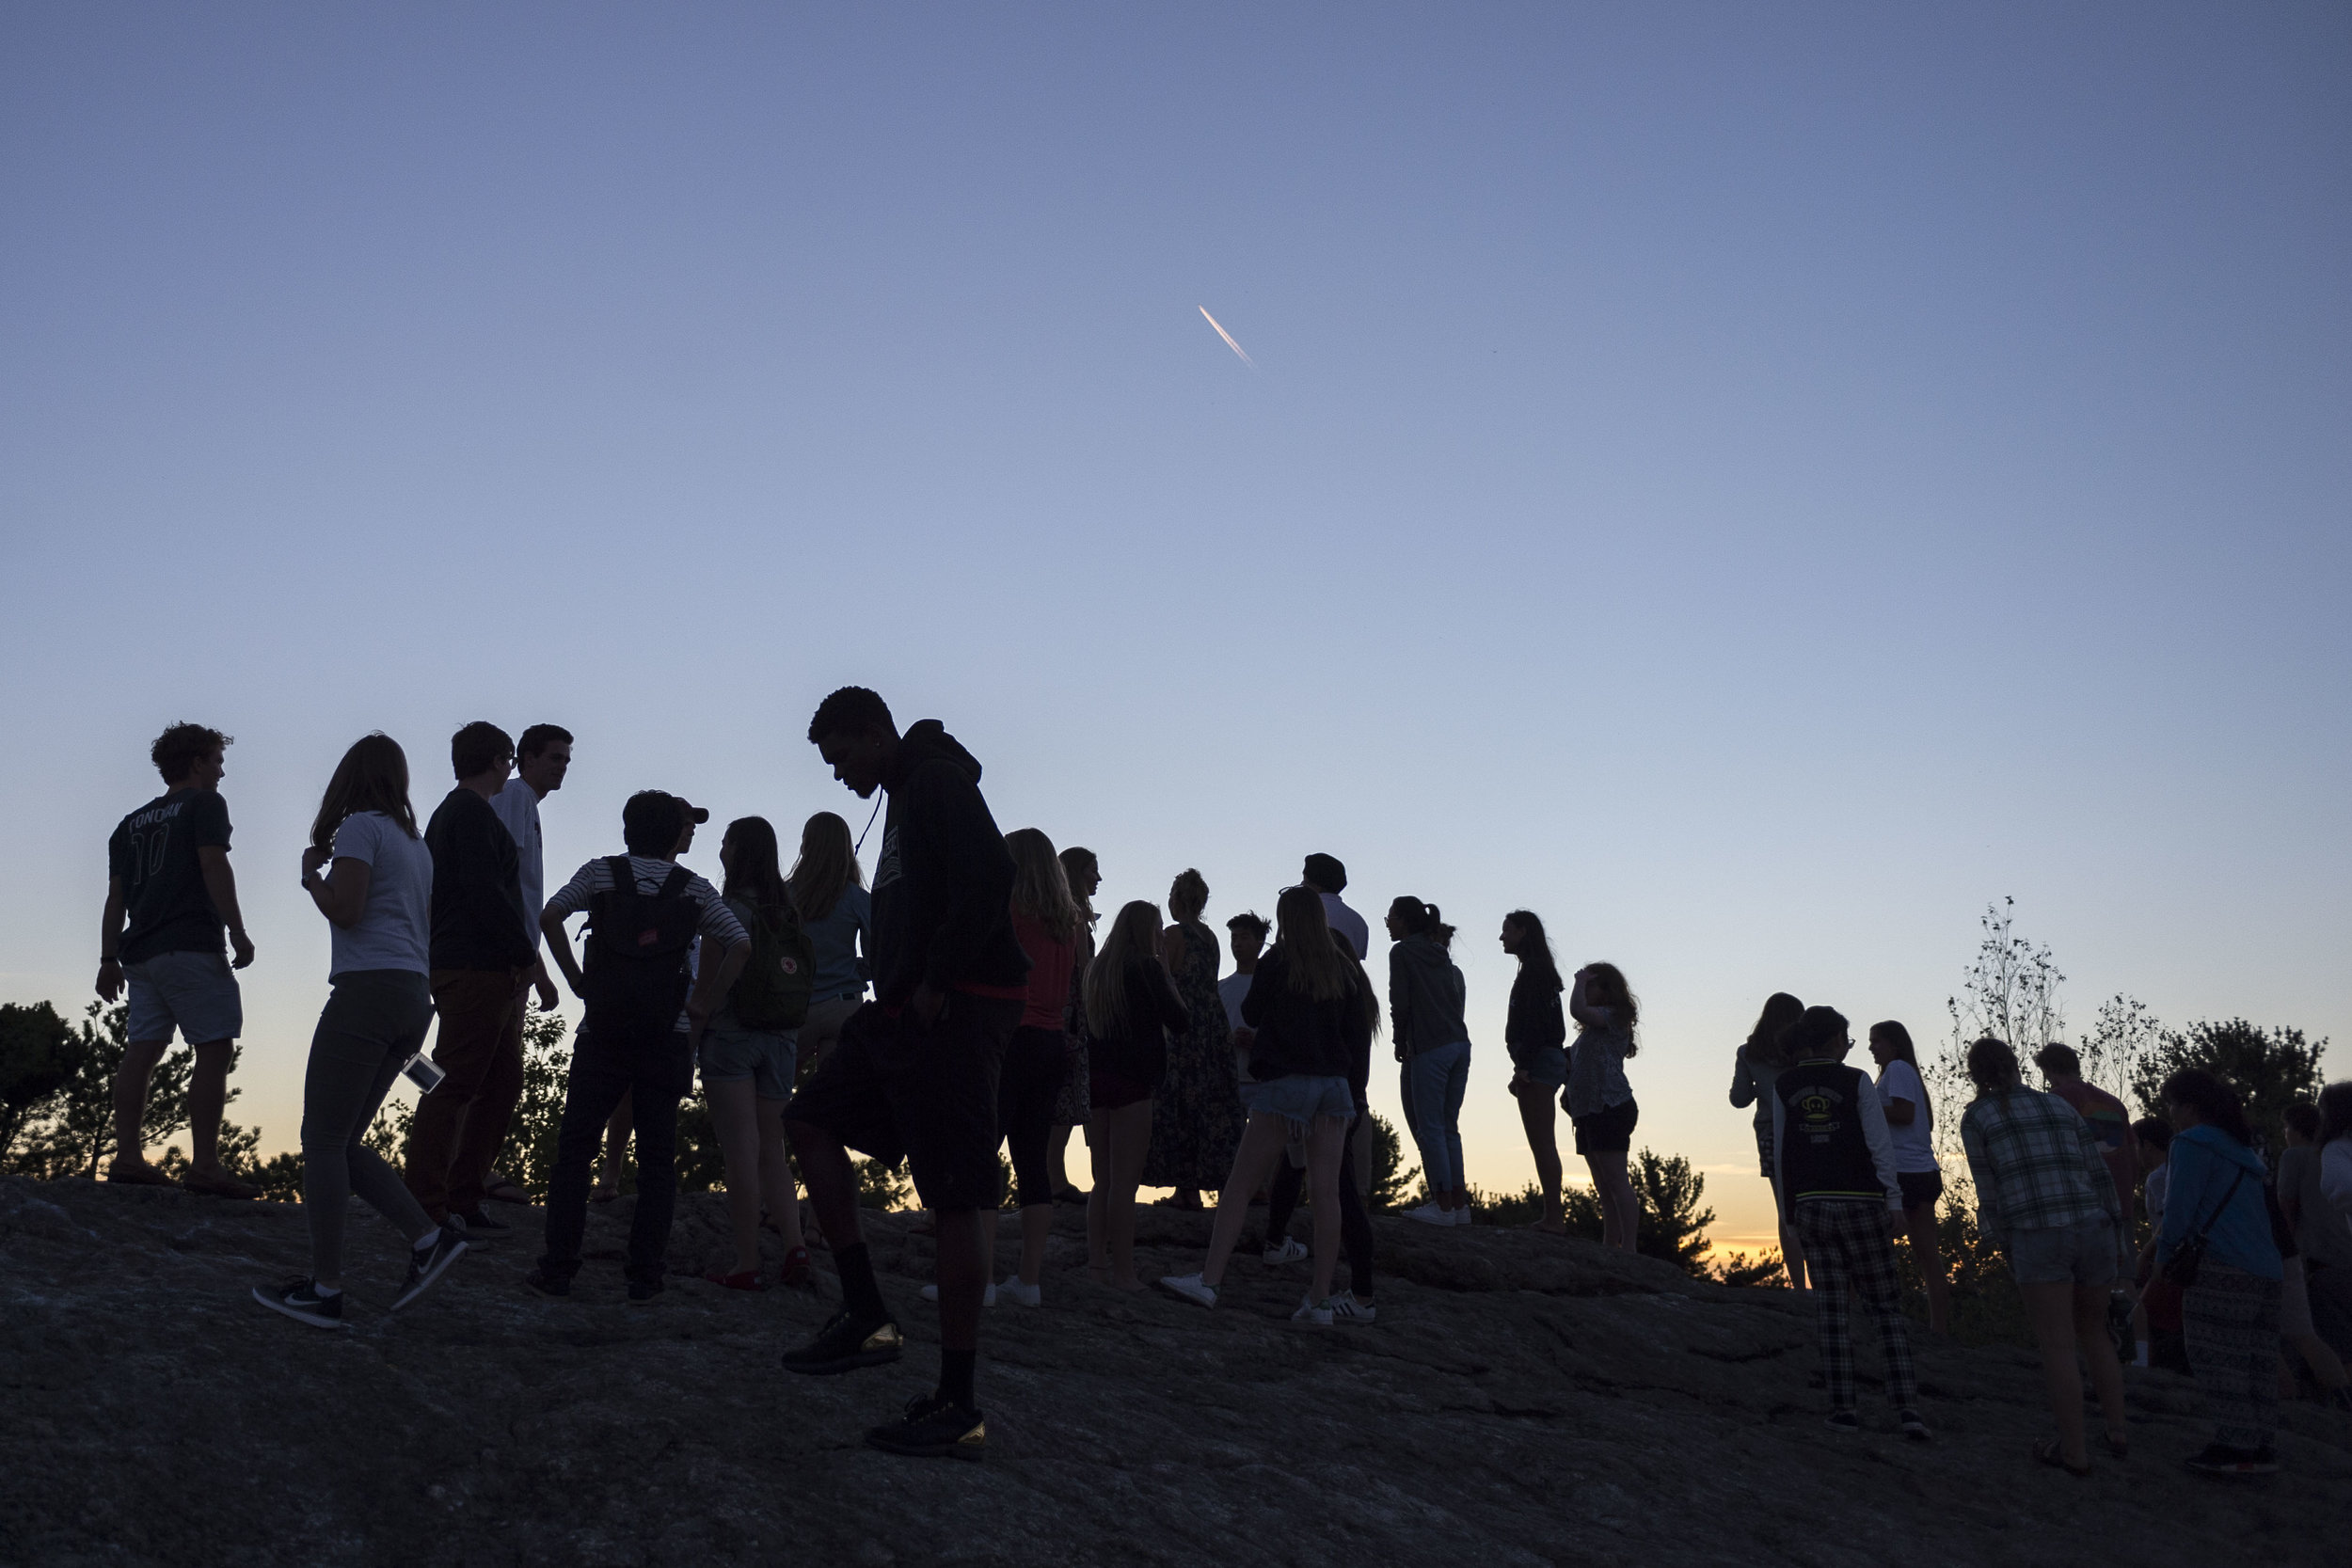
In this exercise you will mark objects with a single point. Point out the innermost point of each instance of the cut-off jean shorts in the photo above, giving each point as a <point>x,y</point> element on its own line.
<point>195,992</point>
<point>1300,1100</point>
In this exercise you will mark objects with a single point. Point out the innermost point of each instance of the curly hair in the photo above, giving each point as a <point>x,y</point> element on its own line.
<point>178,749</point>
<point>852,711</point>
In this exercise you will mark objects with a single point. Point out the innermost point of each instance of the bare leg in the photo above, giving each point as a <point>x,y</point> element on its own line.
<point>832,1186</point>
<point>2050,1310</point>
<point>735,1116</point>
<point>1535,1114</point>
<point>1037,1225</point>
<point>2098,1354</point>
<point>1620,1211</point>
<point>1327,1140</point>
<point>130,1080</point>
<point>208,1096</point>
<point>776,1194</point>
<point>1927,1255</point>
<point>1262,1144</point>
<point>1057,1159</point>
<point>1129,1129</point>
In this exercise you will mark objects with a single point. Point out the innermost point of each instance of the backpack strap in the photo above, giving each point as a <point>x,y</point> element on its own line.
<point>624,877</point>
<point>674,885</point>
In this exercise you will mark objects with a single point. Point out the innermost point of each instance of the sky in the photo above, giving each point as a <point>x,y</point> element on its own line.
<point>1753,484</point>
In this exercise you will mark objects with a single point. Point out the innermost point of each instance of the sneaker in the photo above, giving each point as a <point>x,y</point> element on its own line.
<point>933,1429</point>
<point>478,1227</point>
<point>1844,1421</point>
<point>1462,1216</point>
<point>300,1299</point>
<point>427,1264</point>
<point>1429,1214</point>
<point>1290,1251</point>
<point>2261,1462</point>
<point>1915,1426</point>
<point>844,1345</point>
<point>548,1284</point>
<point>1019,1295</point>
<point>988,1296</point>
<point>641,1292</point>
<point>1191,1287</point>
<point>1346,1308</point>
<point>1313,1311</point>
<point>2219,1459</point>
<point>799,1270</point>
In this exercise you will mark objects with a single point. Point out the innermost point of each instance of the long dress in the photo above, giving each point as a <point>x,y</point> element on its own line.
<point>1197,1117</point>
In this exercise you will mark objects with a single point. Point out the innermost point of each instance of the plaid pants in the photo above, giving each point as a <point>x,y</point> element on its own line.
<point>2232,1320</point>
<point>1848,1253</point>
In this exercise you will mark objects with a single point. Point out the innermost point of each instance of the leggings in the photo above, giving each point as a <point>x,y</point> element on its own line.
<point>375,1022</point>
<point>1355,1224</point>
<point>1035,1062</point>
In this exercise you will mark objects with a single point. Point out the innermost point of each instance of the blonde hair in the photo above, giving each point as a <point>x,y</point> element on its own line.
<point>1305,943</point>
<point>1188,895</point>
<point>827,866</point>
<point>1134,938</point>
<point>1040,888</point>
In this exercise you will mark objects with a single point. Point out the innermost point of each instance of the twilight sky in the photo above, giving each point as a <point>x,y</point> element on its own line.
<point>1751,483</point>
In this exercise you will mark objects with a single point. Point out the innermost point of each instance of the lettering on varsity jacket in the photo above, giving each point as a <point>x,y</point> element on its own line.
<point>1823,1150</point>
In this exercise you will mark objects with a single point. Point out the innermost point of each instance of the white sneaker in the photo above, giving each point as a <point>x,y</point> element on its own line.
<point>1462,1216</point>
<point>1312,1311</point>
<point>1429,1214</point>
<point>1189,1286</point>
<point>1019,1295</point>
<point>1345,1308</point>
<point>1289,1252</point>
<point>988,1297</point>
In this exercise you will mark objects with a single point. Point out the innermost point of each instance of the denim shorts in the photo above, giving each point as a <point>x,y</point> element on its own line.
<point>1541,1063</point>
<point>196,991</point>
<point>1300,1100</point>
<point>766,1056</point>
<point>2082,1253</point>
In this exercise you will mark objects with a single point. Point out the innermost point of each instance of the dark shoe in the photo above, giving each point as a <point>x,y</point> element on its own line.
<point>933,1429</point>
<point>2261,1462</point>
<point>299,1299</point>
<point>799,1270</point>
<point>844,1345</point>
<point>642,1290</point>
<point>2118,1447</point>
<point>2219,1459</point>
<point>2048,1452</point>
<point>548,1284</point>
<point>428,1264</point>
<point>1915,1426</point>
<point>478,1227</point>
<point>1844,1421</point>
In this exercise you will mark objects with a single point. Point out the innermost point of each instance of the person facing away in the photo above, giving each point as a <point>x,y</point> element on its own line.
<point>1036,1058</point>
<point>1328,878</point>
<point>170,900</point>
<point>1132,1006</point>
<point>2320,1228</point>
<point>1534,1034</point>
<point>1753,1067</point>
<point>2309,1321</point>
<point>915,1073</point>
<point>1084,873</point>
<point>2230,1312</point>
<point>1426,999</point>
<point>481,965</point>
<point>648,1009</point>
<point>1910,1122</point>
<point>1836,1169</point>
<point>1196,1111</point>
<point>2335,1147</point>
<point>829,892</point>
<point>2043,1196</point>
<point>1599,1101</point>
<point>369,873</point>
<point>2062,1073</point>
<point>543,755</point>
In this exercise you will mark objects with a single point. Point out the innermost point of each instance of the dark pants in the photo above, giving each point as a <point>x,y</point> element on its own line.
<point>1035,1062</point>
<point>654,1078</point>
<point>1355,1224</point>
<point>460,1125</point>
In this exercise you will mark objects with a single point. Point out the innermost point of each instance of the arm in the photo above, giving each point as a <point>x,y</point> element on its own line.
<point>1399,1007</point>
<point>1881,1142</point>
<point>1172,1009</point>
<point>2335,1175</point>
<point>1987,1178</point>
<point>110,941</point>
<point>2183,1194</point>
<point>711,984</point>
<point>560,947</point>
<point>1587,1016</point>
<point>341,894</point>
<point>1899,1112</point>
<point>221,883</point>
<point>1780,1164</point>
<point>1742,1083</point>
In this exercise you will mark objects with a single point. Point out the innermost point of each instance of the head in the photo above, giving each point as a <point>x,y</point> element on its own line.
<point>189,756</point>
<point>373,776</point>
<point>1304,940</point>
<point>1133,941</point>
<point>1188,895</point>
<point>2058,1063</point>
<point>1819,1033</point>
<point>1891,1042</point>
<point>1605,986</point>
<point>1040,888</point>
<point>2195,1098</point>
<point>1325,874</point>
<point>1523,938</point>
<point>749,853</point>
<point>2152,1140</point>
<point>1084,874</point>
<point>541,757</point>
<point>2302,1124</point>
<point>1247,933</point>
<point>826,868</point>
<point>1409,917</point>
<point>2335,1112</point>
<point>853,732</point>
<point>1991,1066</point>
<point>692,816</point>
<point>481,752</point>
<point>1768,1039</point>
<point>652,822</point>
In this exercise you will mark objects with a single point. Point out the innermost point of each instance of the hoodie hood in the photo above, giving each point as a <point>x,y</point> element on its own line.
<point>1422,957</point>
<point>2214,1141</point>
<point>929,741</point>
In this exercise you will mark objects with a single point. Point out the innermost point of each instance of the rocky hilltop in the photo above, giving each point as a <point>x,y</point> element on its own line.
<point>1522,1399</point>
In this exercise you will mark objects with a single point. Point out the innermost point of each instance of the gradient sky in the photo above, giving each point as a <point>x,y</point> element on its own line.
<point>1751,483</point>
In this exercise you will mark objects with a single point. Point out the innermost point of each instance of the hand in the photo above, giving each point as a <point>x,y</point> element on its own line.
<point>109,978</point>
<point>925,1003</point>
<point>547,997</point>
<point>1894,1224</point>
<point>242,946</point>
<point>314,862</point>
<point>1400,1052</point>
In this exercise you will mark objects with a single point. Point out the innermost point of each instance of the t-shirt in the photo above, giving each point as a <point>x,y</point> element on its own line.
<point>395,926</point>
<point>2320,1234</point>
<point>2112,1126</point>
<point>518,806</point>
<point>716,923</point>
<point>833,946</point>
<point>2157,1181</point>
<point>1914,1145</point>
<point>154,851</point>
<point>1350,924</point>
<point>1049,973</point>
<point>1230,992</point>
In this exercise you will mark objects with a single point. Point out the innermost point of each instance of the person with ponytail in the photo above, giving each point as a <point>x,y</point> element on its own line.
<point>1131,1005</point>
<point>1753,1067</point>
<point>1426,998</point>
<point>1535,1034</point>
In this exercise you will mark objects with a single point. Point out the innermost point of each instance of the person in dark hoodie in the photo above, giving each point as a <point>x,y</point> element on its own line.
<point>1535,1034</point>
<point>1426,996</point>
<point>914,1074</point>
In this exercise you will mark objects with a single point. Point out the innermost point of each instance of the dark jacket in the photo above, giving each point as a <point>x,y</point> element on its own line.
<point>478,919</point>
<point>1426,996</point>
<point>942,889</point>
<point>1298,1036</point>
<point>1135,1047</point>
<point>1535,1018</point>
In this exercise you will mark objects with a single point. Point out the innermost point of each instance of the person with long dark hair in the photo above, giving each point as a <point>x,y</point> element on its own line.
<point>1755,1066</point>
<point>1196,1113</point>
<point>2213,1205</point>
<point>1535,1034</point>
<point>1910,1122</point>
<point>371,875</point>
<point>1131,1005</point>
<point>1036,1059</point>
<point>1598,1100</point>
<point>1427,996</point>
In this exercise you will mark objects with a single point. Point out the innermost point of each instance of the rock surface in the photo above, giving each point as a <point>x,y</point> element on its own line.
<point>1521,1400</point>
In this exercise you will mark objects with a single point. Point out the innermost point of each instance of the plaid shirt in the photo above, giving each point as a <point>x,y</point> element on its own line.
<point>2037,1165</point>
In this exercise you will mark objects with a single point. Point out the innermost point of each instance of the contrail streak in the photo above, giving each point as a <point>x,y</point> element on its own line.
<point>1228,337</point>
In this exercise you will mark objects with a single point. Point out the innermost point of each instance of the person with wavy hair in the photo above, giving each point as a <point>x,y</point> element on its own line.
<point>1036,1059</point>
<point>1132,1008</point>
<point>1753,1067</point>
<point>1196,1114</point>
<point>1083,872</point>
<point>368,872</point>
<point>828,890</point>
<point>1599,1101</point>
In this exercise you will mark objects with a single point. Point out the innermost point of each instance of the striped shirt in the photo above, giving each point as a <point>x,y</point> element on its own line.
<point>2036,1163</point>
<point>716,924</point>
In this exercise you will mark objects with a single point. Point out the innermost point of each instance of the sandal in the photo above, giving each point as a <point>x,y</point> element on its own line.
<point>602,1194</point>
<point>505,1189</point>
<point>137,1173</point>
<point>799,1270</point>
<point>218,1183</point>
<point>747,1281</point>
<point>2118,1447</point>
<point>2047,1453</point>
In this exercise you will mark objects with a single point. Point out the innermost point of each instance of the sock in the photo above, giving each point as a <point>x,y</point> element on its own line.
<point>2142,1360</point>
<point>859,1292</point>
<point>955,1377</point>
<point>430,1240</point>
<point>326,1292</point>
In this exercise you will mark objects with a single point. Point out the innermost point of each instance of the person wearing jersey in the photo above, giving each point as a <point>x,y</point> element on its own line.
<point>641,1031</point>
<point>170,900</point>
<point>1839,1187</point>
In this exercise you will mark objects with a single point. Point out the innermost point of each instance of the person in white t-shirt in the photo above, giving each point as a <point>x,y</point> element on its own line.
<point>1910,1122</point>
<point>541,757</point>
<point>1247,936</point>
<point>372,877</point>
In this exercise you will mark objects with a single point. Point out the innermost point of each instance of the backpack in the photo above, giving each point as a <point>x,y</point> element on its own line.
<point>772,992</point>
<point>636,973</point>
